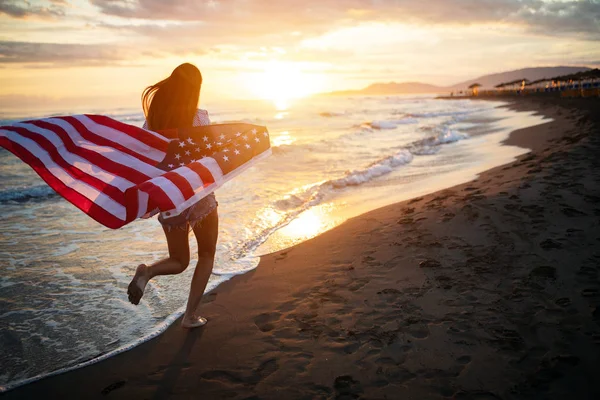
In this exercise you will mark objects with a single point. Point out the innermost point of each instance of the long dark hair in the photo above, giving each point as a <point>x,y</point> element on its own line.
<point>172,102</point>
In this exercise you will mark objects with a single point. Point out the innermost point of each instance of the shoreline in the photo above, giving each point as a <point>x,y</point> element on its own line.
<point>275,344</point>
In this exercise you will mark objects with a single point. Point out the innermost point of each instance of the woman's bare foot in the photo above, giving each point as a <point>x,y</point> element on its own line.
<point>135,291</point>
<point>193,322</point>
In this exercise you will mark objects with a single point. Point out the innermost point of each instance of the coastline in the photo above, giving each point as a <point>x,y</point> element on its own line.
<point>325,318</point>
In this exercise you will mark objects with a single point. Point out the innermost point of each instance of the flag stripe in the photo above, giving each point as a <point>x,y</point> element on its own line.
<point>169,189</point>
<point>157,194</point>
<point>134,169</point>
<point>181,183</point>
<point>143,203</point>
<point>87,151</point>
<point>109,140</point>
<point>192,177</point>
<point>85,160</point>
<point>203,172</point>
<point>214,168</point>
<point>149,138</point>
<point>88,201</point>
<point>73,170</point>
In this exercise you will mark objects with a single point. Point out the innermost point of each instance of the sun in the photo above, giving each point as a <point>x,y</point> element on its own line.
<point>282,81</point>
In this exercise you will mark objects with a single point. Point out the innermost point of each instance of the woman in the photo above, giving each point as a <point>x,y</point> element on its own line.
<point>172,103</point>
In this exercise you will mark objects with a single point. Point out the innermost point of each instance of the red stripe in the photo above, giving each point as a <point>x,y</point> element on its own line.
<point>133,131</point>
<point>114,193</point>
<point>182,184</point>
<point>94,158</point>
<point>131,204</point>
<point>203,173</point>
<point>102,141</point>
<point>78,200</point>
<point>158,197</point>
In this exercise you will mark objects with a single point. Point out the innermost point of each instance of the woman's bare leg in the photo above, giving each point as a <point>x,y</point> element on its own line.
<point>206,234</point>
<point>176,263</point>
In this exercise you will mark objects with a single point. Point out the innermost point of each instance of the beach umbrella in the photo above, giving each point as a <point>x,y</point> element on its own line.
<point>475,88</point>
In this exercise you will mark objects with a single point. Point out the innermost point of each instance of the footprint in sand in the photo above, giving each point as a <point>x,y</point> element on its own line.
<point>111,387</point>
<point>563,302</point>
<point>430,263</point>
<point>590,292</point>
<point>221,376</point>
<point>265,369</point>
<point>464,360</point>
<point>475,395</point>
<point>550,244</point>
<point>346,386</point>
<point>572,212</point>
<point>543,272</point>
<point>264,321</point>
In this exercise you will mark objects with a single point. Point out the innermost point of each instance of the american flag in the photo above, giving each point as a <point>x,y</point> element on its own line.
<point>116,173</point>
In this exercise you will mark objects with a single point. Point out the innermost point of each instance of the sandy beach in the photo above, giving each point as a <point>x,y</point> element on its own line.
<point>487,290</point>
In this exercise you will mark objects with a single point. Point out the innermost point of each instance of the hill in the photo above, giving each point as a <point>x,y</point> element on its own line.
<point>393,88</point>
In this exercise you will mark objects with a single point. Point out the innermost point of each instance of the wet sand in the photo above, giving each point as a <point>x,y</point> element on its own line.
<point>487,290</point>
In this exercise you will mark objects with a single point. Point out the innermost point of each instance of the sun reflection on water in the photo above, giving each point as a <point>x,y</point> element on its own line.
<point>284,138</point>
<point>306,225</point>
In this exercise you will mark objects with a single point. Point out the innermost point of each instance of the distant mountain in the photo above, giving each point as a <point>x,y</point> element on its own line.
<point>393,88</point>
<point>487,81</point>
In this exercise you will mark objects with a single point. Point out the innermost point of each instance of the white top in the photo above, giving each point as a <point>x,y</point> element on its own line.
<point>200,119</point>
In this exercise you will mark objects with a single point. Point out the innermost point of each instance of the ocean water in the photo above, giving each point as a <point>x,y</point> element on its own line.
<point>63,277</point>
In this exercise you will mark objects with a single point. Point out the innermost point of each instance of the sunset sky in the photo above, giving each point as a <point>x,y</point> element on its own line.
<point>109,50</point>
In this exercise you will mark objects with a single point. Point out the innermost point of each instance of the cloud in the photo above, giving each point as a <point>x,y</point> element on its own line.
<point>51,54</point>
<point>247,17</point>
<point>25,9</point>
<point>65,55</point>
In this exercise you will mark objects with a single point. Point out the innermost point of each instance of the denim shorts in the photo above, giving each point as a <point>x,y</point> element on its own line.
<point>191,216</point>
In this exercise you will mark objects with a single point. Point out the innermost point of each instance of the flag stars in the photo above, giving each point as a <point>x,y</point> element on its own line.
<point>247,145</point>
<point>209,146</point>
<point>257,140</point>
<point>254,131</point>
<point>190,141</point>
<point>205,138</point>
<point>181,164</point>
<point>178,156</point>
<point>245,137</point>
<point>187,152</point>
<point>222,136</point>
<point>265,134</point>
<point>238,134</point>
<point>171,166</point>
<point>197,149</point>
<point>236,151</point>
<point>225,158</point>
<point>225,150</point>
<point>181,144</point>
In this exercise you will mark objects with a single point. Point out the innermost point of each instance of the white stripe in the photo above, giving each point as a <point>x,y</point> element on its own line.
<point>213,167</point>
<point>82,188</point>
<point>117,136</point>
<point>106,151</point>
<point>170,189</point>
<point>142,203</point>
<point>77,161</point>
<point>191,176</point>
